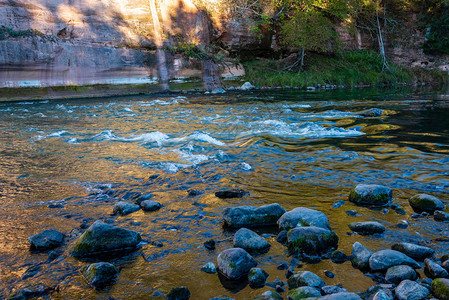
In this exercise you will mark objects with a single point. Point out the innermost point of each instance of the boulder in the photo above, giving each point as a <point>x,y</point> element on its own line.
<point>46,240</point>
<point>414,251</point>
<point>250,216</point>
<point>101,238</point>
<point>339,257</point>
<point>360,256</point>
<point>269,295</point>
<point>441,216</point>
<point>434,270</point>
<point>341,296</point>
<point>440,288</point>
<point>250,241</point>
<point>179,293</point>
<point>209,268</point>
<point>303,216</point>
<point>384,259</point>
<point>303,292</point>
<point>366,228</point>
<point>311,240</point>
<point>371,195</point>
<point>427,203</point>
<point>305,278</point>
<point>383,295</point>
<point>234,263</point>
<point>396,274</point>
<point>124,208</point>
<point>411,290</point>
<point>257,277</point>
<point>100,274</point>
<point>332,289</point>
<point>149,205</point>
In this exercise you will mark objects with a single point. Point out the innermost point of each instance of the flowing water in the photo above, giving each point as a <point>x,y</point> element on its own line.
<point>65,163</point>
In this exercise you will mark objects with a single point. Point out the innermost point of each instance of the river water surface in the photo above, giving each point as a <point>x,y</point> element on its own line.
<point>65,163</point>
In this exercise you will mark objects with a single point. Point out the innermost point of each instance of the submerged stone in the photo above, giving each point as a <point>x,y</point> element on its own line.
<point>366,228</point>
<point>311,240</point>
<point>427,203</point>
<point>303,216</point>
<point>251,216</point>
<point>179,293</point>
<point>100,274</point>
<point>372,112</point>
<point>250,241</point>
<point>101,238</point>
<point>124,208</point>
<point>231,194</point>
<point>371,195</point>
<point>46,240</point>
<point>234,263</point>
<point>32,291</point>
<point>149,205</point>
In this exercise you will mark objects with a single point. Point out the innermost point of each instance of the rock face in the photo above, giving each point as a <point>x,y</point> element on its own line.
<point>414,251</point>
<point>303,216</point>
<point>410,290</point>
<point>305,278</point>
<point>250,241</point>
<point>385,259</point>
<point>371,195</point>
<point>46,240</point>
<point>303,292</point>
<point>366,228</point>
<point>397,274</point>
<point>101,238</point>
<point>234,263</point>
<point>124,208</point>
<point>100,274</point>
<point>360,256</point>
<point>257,277</point>
<point>250,216</point>
<point>440,288</point>
<point>424,202</point>
<point>311,240</point>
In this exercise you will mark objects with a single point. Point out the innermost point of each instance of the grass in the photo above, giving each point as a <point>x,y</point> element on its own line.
<point>350,68</point>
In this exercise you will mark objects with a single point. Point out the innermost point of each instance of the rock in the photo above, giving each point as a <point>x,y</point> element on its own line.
<point>384,259</point>
<point>303,292</point>
<point>445,265</point>
<point>341,296</point>
<point>303,216</point>
<point>366,228</point>
<point>427,203</point>
<point>257,277</point>
<point>400,211</point>
<point>250,216</point>
<point>360,256</point>
<point>149,205</point>
<point>383,295</point>
<point>101,238</point>
<point>332,289</point>
<point>290,272</point>
<point>339,257</point>
<point>193,193</point>
<point>247,86</point>
<point>410,290</point>
<point>269,295</point>
<point>371,195</point>
<point>282,237</point>
<point>305,278</point>
<point>234,263</point>
<point>402,225</point>
<point>209,245</point>
<point>144,198</point>
<point>338,204</point>
<point>396,274</point>
<point>46,240</point>
<point>236,193</point>
<point>440,288</point>
<point>250,241</point>
<point>124,208</point>
<point>311,240</point>
<point>282,266</point>
<point>209,268</point>
<point>329,274</point>
<point>33,291</point>
<point>414,251</point>
<point>100,274</point>
<point>372,112</point>
<point>441,216</point>
<point>31,271</point>
<point>179,293</point>
<point>434,270</point>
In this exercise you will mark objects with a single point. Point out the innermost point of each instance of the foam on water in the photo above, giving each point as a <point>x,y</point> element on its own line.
<point>56,134</point>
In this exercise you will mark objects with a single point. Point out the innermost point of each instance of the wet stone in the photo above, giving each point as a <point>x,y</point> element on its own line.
<point>341,296</point>
<point>46,240</point>
<point>290,272</point>
<point>367,228</point>
<point>383,295</point>
<point>351,213</point>
<point>100,274</point>
<point>408,289</point>
<point>400,211</point>
<point>282,266</point>
<point>371,195</point>
<point>250,241</point>
<point>372,112</point>
<point>282,237</point>
<point>32,291</point>
<point>149,205</point>
<point>434,270</point>
<point>234,263</point>
<point>339,257</point>
<point>396,274</point>
<point>440,288</point>
<point>338,204</point>
<point>303,292</point>
<point>179,293</point>
<point>385,259</point>
<point>193,193</point>
<point>311,240</point>
<point>209,268</point>
<point>414,251</point>
<point>426,203</point>
<point>305,278</point>
<point>251,216</point>
<point>31,271</point>
<point>329,274</point>
<point>402,225</point>
<point>257,277</point>
<point>332,289</point>
<point>360,256</point>
<point>269,295</point>
<point>303,216</point>
<point>124,208</point>
<point>209,245</point>
<point>236,193</point>
<point>441,216</point>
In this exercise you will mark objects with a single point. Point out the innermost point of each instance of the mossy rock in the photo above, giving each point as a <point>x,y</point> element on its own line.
<point>424,202</point>
<point>257,277</point>
<point>371,195</point>
<point>100,274</point>
<point>440,288</point>
<point>311,240</point>
<point>303,292</point>
<point>250,216</point>
<point>269,295</point>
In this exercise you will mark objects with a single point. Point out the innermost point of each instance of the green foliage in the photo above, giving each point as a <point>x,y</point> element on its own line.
<point>6,32</point>
<point>189,50</point>
<point>437,38</point>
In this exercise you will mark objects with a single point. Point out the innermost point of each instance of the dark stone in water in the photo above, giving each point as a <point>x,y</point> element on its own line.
<point>338,204</point>
<point>414,251</point>
<point>52,255</point>
<point>282,266</point>
<point>303,216</point>
<point>33,291</point>
<point>157,294</point>
<point>401,225</point>
<point>149,205</point>
<point>57,205</point>
<point>179,293</point>
<point>290,271</point>
<point>209,245</point>
<point>311,240</point>
<point>124,208</point>
<point>257,277</point>
<point>400,211</point>
<point>339,257</point>
<point>372,112</point>
<point>282,237</point>
<point>426,203</point>
<point>144,198</point>
<point>235,263</point>
<point>434,270</point>
<point>46,240</point>
<point>251,216</point>
<point>371,195</point>
<point>305,278</point>
<point>100,274</point>
<point>367,228</point>
<point>193,193</point>
<point>351,213</point>
<point>416,216</point>
<point>236,193</point>
<point>31,271</point>
<point>329,274</point>
<point>439,215</point>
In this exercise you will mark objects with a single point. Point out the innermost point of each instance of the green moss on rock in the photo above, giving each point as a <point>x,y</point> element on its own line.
<point>440,288</point>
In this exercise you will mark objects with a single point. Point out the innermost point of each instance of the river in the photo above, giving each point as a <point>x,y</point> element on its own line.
<point>64,163</point>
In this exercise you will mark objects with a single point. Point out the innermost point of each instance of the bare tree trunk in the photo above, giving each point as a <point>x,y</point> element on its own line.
<point>160,54</point>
